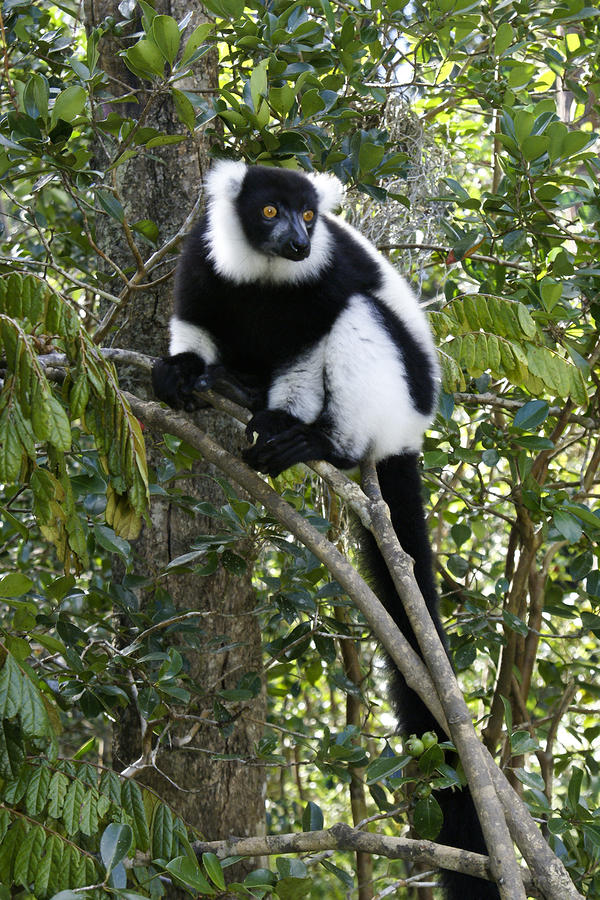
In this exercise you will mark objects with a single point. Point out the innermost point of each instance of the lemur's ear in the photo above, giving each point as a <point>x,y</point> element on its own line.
<point>225,179</point>
<point>329,189</point>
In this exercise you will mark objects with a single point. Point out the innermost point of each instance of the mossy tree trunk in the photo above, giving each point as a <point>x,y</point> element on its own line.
<point>219,798</point>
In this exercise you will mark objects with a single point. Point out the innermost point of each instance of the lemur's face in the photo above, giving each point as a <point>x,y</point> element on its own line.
<point>278,210</point>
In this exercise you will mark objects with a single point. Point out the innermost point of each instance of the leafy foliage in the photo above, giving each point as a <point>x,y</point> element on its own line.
<point>490,334</point>
<point>35,425</point>
<point>64,824</point>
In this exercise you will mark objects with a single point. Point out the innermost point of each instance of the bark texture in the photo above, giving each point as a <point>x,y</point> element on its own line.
<point>219,798</point>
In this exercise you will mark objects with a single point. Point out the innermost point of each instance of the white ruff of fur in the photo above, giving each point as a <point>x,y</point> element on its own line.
<point>229,250</point>
<point>188,338</point>
<point>329,188</point>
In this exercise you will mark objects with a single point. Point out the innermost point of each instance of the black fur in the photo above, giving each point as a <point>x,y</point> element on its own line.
<point>421,387</point>
<point>259,330</point>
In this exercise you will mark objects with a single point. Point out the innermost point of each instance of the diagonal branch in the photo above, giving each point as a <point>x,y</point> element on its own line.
<point>154,416</point>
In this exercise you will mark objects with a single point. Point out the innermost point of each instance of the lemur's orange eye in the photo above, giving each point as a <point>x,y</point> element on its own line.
<point>308,215</point>
<point>269,212</point>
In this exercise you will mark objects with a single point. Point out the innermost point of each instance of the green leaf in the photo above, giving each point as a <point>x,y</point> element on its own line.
<point>111,205</point>
<point>36,96</point>
<point>523,123</point>
<point>460,533</point>
<point>148,229</point>
<point>88,814</point>
<point>515,623</point>
<point>109,540</point>
<point>188,871</point>
<point>557,133</point>
<point>346,879</point>
<point>282,99</point>
<point>59,427</point>
<point>213,869</point>
<point>428,817</point>
<point>531,415</point>
<point>36,794</point>
<point>12,752</point>
<point>575,141</point>
<point>72,807</point>
<point>167,36</point>
<point>59,588</point>
<point>68,104</point>
<point>196,39</point>
<point>574,790</point>
<point>384,767</point>
<point>163,140</point>
<point>312,103</point>
<point>57,791</point>
<point>431,759</point>
<point>184,109</point>
<point>162,832</point>
<point>550,292</point>
<point>508,718</point>
<point>329,14</point>
<point>312,817</point>
<point>293,888</point>
<point>522,742</point>
<point>370,155</point>
<point>28,856</point>
<point>504,38</point>
<point>11,689</point>
<point>490,457</point>
<point>14,584</point>
<point>567,525</point>
<point>535,145</point>
<point>258,83</point>
<point>530,779</point>
<point>11,450</point>
<point>260,877</point>
<point>34,718</point>
<point>114,845</point>
<point>145,58</point>
<point>133,804</point>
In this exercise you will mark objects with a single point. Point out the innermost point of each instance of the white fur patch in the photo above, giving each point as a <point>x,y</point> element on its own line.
<point>300,389</point>
<point>399,297</point>
<point>225,179</point>
<point>188,338</point>
<point>229,251</point>
<point>330,190</point>
<point>370,403</point>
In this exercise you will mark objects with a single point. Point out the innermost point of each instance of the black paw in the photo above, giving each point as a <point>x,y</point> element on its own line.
<point>268,423</point>
<point>174,379</point>
<point>297,444</point>
<point>243,389</point>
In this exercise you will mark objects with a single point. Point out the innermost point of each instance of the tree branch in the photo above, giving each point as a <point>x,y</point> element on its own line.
<point>343,837</point>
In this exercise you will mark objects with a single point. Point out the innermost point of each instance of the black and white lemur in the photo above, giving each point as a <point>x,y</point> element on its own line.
<point>330,348</point>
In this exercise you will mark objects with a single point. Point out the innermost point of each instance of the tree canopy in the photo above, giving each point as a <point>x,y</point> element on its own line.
<point>464,133</point>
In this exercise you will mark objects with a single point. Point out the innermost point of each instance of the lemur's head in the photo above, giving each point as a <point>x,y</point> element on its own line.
<point>270,213</point>
<point>278,211</point>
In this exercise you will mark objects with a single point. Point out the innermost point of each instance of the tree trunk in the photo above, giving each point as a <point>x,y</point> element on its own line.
<point>219,798</point>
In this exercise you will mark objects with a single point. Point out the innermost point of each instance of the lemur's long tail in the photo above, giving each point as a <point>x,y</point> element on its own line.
<point>401,489</point>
